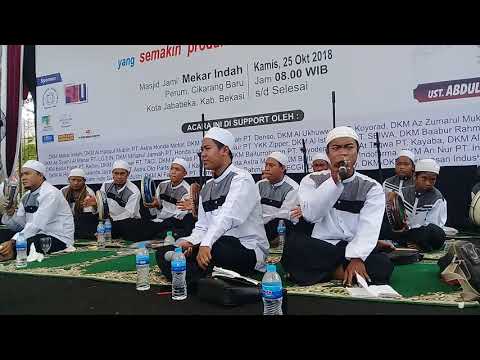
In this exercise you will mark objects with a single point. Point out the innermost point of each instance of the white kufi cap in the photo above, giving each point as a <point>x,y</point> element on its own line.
<point>429,165</point>
<point>320,156</point>
<point>341,131</point>
<point>121,164</point>
<point>77,172</point>
<point>408,154</point>
<point>221,135</point>
<point>181,162</point>
<point>280,157</point>
<point>35,165</point>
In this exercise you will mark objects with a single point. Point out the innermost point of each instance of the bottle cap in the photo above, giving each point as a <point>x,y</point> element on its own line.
<point>178,249</point>
<point>169,233</point>
<point>271,268</point>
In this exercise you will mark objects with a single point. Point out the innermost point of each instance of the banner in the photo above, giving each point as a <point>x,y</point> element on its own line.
<point>143,104</point>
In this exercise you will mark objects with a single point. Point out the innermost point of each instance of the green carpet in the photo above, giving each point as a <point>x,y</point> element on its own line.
<point>121,264</point>
<point>418,279</point>
<point>69,258</point>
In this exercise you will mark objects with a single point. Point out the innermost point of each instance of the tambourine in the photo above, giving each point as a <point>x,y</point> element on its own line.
<point>102,205</point>
<point>396,213</point>
<point>10,192</point>
<point>195,196</point>
<point>401,256</point>
<point>147,189</point>
<point>474,211</point>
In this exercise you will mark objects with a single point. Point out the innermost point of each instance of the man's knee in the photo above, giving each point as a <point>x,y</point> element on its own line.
<point>379,267</point>
<point>436,235</point>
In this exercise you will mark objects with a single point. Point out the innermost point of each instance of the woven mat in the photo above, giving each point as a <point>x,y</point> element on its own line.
<point>119,265</point>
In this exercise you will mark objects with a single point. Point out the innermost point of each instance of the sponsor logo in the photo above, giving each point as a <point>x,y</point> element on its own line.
<point>50,98</point>
<point>49,79</point>
<point>66,121</point>
<point>66,137</point>
<point>47,138</point>
<point>88,133</point>
<point>76,93</point>
<point>46,120</point>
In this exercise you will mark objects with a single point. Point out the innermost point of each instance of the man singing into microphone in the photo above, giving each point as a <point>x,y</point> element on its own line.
<point>347,210</point>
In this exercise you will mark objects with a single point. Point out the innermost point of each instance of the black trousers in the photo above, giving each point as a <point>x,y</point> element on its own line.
<point>85,226</point>
<point>271,228</point>
<point>142,229</point>
<point>227,252</point>
<point>310,261</point>
<point>56,245</point>
<point>427,238</point>
<point>5,235</point>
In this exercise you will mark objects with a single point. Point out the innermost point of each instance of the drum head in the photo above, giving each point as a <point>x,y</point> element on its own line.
<point>396,213</point>
<point>102,205</point>
<point>147,189</point>
<point>474,211</point>
<point>405,256</point>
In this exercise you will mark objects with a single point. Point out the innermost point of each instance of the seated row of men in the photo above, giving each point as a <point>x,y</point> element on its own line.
<point>333,220</point>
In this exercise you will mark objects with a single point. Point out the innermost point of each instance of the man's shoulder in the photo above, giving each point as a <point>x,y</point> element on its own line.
<point>132,187</point>
<point>262,181</point>
<point>240,173</point>
<point>368,179</point>
<point>391,179</point>
<point>291,182</point>
<point>318,177</point>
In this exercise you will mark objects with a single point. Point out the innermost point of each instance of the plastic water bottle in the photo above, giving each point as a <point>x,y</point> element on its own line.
<point>169,239</point>
<point>179,271</point>
<point>21,247</point>
<point>272,291</point>
<point>100,235</point>
<point>281,231</point>
<point>108,231</point>
<point>142,260</point>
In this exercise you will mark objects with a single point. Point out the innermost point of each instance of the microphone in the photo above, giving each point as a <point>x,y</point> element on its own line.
<point>343,170</point>
<point>169,255</point>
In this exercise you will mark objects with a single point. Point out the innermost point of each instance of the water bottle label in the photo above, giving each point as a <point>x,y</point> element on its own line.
<point>142,259</point>
<point>272,291</point>
<point>179,265</point>
<point>21,245</point>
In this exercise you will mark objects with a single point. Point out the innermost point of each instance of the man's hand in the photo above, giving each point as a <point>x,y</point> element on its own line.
<point>6,250</point>
<point>296,213</point>
<point>11,211</point>
<point>356,266</point>
<point>185,205</point>
<point>89,201</point>
<point>204,257</point>
<point>383,245</point>
<point>186,246</point>
<point>335,174</point>
<point>153,204</point>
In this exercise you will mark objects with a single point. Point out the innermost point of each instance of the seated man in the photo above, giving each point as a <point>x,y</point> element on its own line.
<point>229,232</point>
<point>172,198</point>
<point>84,217</point>
<point>278,194</point>
<point>347,209</point>
<point>123,202</point>
<point>404,173</point>
<point>320,162</point>
<point>43,211</point>
<point>426,210</point>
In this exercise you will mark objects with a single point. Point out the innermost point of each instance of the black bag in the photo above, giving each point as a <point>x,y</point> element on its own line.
<point>231,292</point>
<point>461,266</point>
<point>227,291</point>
